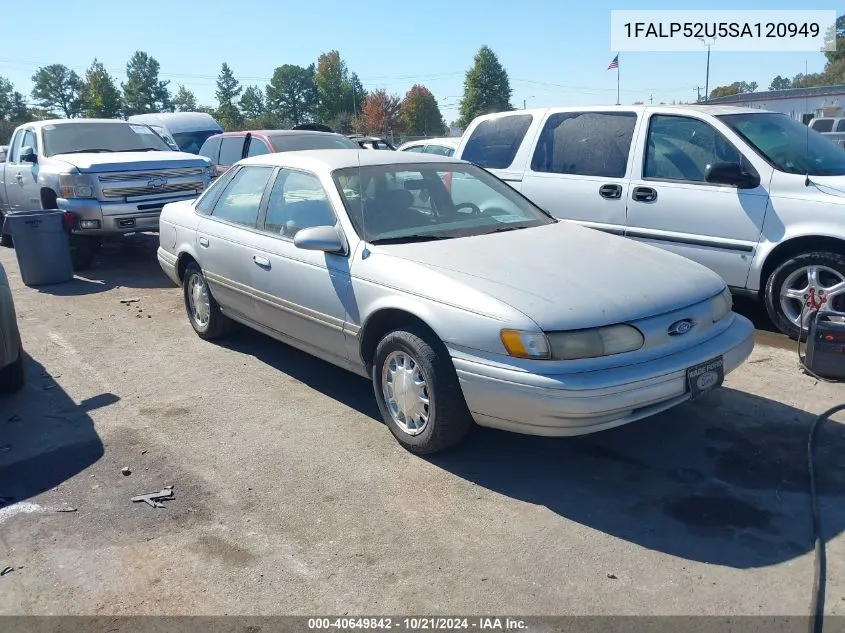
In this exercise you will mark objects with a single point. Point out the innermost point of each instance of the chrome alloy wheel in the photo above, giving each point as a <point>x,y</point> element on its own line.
<point>795,290</point>
<point>406,393</point>
<point>198,300</point>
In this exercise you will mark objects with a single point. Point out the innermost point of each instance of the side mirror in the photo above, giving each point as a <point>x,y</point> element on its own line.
<point>319,238</point>
<point>732,174</point>
<point>28,155</point>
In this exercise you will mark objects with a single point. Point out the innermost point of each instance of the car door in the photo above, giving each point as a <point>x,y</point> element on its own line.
<point>227,238</point>
<point>302,294</point>
<point>579,167</point>
<point>671,206</point>
<point>22,190</point>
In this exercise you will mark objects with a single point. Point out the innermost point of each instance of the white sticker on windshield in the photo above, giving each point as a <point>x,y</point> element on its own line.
<point>508,218</point>
<point>141,129</point>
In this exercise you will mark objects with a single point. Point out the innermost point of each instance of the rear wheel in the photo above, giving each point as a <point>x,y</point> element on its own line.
<point>12,376</point>
<point>5,238</point>
<point>790,285</point>
<point>203,310</point>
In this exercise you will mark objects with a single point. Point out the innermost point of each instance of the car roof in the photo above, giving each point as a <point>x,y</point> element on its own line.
<point>714,110</point>
<point>178,121</point>
<point>331,159</point>
<point>41,124</point>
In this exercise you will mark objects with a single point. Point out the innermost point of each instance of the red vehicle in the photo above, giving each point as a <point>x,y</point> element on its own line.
<point>225,149</point>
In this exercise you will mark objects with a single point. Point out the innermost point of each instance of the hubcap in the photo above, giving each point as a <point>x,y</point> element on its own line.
<point>198,300</point>
<point>405,392</point>
<point>824,281</point>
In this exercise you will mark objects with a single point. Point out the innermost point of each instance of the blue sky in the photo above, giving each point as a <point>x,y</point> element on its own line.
<point>554,54</point>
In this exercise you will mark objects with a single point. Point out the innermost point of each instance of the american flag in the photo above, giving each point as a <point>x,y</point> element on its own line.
<point>614,63</point>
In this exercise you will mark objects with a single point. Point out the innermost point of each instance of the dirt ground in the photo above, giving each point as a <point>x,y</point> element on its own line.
<point>292,498</point>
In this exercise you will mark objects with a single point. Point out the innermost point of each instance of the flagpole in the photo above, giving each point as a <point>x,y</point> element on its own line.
<point>618,102</point>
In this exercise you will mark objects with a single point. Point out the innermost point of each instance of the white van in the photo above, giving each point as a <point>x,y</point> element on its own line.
<point>754,195</point>
<point>184,131</point>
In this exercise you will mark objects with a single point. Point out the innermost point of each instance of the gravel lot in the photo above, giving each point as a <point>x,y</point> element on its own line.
<point>292,498</point>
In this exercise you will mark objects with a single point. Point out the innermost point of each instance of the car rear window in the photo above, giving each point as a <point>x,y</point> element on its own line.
<point>314,140</point>
<point>494,142</point>
<point>585,144</point>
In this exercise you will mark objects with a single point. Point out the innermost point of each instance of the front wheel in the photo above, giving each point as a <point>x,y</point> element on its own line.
<point>418,392</point>
<point>5,238</point>
<point>203,310</point>
<point>789,286</point>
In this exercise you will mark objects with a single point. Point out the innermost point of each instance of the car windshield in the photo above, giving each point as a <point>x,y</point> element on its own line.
<point>415,202</point>
<point>788,145</point>
<point>296,142</point>
<point>67,138</point>
<point>191,142</point>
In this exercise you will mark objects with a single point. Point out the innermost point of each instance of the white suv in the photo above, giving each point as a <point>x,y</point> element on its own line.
<point>754,195</point>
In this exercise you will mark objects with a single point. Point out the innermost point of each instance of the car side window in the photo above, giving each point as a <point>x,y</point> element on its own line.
<point>206,201</point>
<point>823,125</point>
<point>439,150</point>
<point>415,148</point>
<point>680,148</point>
<point>257,147</point>
<point>585,144</point>
<point>14,147</point>
<point>840,126</point>
<point>241,199</point>
<point>297,201</point>
<point>211,150</point>
<point>29,139</point>
<point>495,142</point>
<point>230,149</point>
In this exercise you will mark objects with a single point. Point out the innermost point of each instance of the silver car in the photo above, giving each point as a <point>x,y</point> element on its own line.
<point>11,350</point>
<point>461,300</point>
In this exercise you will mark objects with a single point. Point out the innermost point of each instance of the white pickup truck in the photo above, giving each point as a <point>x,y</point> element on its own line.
<point>112,175</point>
<point>751,194</point>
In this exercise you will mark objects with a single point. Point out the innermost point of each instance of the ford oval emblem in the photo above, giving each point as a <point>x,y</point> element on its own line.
<point>681,327</point>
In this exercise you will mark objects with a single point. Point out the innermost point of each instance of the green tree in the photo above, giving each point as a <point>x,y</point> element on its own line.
<point>57,89</point>
<point>339,93</point>
<point>780,83</point>
<point>420,114</point>
<point>6,92</point>
<point>99,95</point>
<point>836,35</point>
<point>736,88</point>
<point>228,90</point>
<point>292,94</point>
<point>185,101</point>
<point>19,112</point>
<point>252,103</point>
<point>143,92</point>
<point>486,87</point>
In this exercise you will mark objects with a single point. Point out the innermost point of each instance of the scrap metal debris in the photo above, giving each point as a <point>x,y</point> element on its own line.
<point>7,570</point>
<point>151,498</point>
<point>132,300</point>
<point>126,471</point>
<point>66,509</point>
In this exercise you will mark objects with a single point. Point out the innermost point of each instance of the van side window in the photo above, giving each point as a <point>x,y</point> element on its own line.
<point>585,144</point>
<point>680,148</point>
<point>823,125</point>
<point>840,125</point>
<point>494,142</point>
<point>230,149</point>
<point>211,150</point>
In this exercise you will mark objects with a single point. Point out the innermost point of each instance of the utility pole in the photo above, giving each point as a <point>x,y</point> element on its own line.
<point>698,90</point>
<point>707,78</point>
<point>651,99</point>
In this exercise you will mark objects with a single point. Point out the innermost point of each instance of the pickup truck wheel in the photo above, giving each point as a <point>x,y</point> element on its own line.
<point>12,377</point>
<point>83,250</point>
<point>203,310</point>
<point>5,238</point>
<point>789,287</point>
<point>418,392</point>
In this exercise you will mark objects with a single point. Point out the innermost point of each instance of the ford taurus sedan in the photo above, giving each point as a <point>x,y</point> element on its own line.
<point>460,299</point>
<point>11,351</point>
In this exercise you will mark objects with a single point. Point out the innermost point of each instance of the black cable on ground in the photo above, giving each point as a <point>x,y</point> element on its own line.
<point>820,577</point>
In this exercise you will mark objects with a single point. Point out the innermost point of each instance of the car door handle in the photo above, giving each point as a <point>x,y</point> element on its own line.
<point>644,194</point>
<point>611,192</point>
<point>204,242</point>
<point>19,177</point>
<point>261,261</point>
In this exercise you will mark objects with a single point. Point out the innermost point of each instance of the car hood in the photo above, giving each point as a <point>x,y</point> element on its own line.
<point>563,276</point>
<point>130,161</point>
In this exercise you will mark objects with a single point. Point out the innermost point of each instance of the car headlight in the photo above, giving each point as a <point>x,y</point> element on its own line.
<point>595,342</point>
<point>721,304</point>
<point>523,344</point>
<point>76,186</point>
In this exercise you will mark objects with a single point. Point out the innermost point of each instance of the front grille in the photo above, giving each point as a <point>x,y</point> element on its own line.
<point>152,183</point>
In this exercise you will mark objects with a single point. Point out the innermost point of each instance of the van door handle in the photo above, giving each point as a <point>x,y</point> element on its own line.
<point>261,261</point>
<point>644,194</point>
<point>19,177</point>
<point>611,192</point>
<point>204,242</point>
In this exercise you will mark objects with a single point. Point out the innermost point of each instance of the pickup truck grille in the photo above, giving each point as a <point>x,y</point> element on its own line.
<point>152,183</point>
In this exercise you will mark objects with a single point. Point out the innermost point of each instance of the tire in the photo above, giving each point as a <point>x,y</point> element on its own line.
<point>12,377</point>
<point>83,250</point>
<point>791,275</point>
<point>448,418</point>
<point>217,324</point>
<point>5,238</point>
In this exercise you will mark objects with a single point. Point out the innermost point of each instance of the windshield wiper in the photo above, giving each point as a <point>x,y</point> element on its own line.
<point>502,229</point>
<point>93,150</point>
<point>410,238</point>
<point>147,149</point>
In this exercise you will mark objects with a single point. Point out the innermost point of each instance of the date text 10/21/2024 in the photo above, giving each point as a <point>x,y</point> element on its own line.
<point>417,623</point>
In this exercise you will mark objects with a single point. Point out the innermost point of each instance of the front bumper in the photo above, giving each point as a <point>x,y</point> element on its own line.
<point>118,217</point>
<point>577,404</point>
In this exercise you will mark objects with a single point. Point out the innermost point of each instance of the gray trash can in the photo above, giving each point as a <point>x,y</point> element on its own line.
<point>41,246</point>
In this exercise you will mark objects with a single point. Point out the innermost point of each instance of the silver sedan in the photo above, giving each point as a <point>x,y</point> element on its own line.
<point>461,300</point>
<point>11,351</point>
